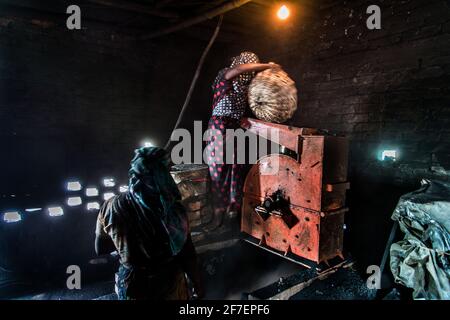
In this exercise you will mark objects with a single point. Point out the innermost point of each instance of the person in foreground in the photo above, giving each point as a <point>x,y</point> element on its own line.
<point>148,227</point>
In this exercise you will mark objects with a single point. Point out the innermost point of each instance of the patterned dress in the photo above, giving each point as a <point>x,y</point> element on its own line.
<point>229,105</point>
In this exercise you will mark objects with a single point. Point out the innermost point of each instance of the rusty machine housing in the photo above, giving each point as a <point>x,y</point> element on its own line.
<point>299,209</point>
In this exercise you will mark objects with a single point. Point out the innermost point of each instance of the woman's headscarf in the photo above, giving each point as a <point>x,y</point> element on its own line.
<point>244,58</point>
<point>152,187</point>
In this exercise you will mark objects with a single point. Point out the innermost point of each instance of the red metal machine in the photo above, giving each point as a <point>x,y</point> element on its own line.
<point>299,209</point>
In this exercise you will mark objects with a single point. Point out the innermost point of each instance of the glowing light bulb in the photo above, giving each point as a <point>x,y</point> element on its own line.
<point>283,13</point>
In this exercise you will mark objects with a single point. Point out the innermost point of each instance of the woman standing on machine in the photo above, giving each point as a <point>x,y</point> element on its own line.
<point>230,102</point>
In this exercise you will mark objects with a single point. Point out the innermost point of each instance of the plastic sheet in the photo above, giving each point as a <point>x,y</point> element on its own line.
<point>421,260</point>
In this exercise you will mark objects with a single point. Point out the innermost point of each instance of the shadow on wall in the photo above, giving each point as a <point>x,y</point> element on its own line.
<point>36,252</point>
<point>410,117</point>
<point>79,109</point>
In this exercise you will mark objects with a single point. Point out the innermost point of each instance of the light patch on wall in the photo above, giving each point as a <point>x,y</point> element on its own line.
<point>123,189</point>
<point>91,192</point>
<point>389,155</point>
<point>55,211</point>
<point>73,186</point>
<point>74,201</point>
<point>109,182</point>
<point>108,195</point>
<point>33,209</point>
<point>12,216</point>
<point>93,206</point>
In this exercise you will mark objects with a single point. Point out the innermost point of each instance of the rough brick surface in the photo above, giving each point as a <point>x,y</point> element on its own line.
<point>75,104</point>
<point>383,88</point>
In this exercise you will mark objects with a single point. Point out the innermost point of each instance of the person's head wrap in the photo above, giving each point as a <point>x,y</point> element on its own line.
<point>244,58</point>
<point>152,187</point>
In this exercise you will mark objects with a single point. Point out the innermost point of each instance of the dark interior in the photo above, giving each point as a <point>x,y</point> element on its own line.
<point>74,104</point>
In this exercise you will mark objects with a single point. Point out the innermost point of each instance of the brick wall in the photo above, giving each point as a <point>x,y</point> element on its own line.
<point>75,104</point>
<point>384,89</point>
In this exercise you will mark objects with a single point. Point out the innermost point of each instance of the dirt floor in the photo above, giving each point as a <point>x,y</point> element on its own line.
<point>234,272</point>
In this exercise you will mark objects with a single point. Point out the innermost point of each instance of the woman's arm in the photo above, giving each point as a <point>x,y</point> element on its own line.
<point>249,67</point>
<point>103,245</point>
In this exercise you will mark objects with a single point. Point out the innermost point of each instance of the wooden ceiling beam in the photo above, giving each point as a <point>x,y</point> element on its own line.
<point>134,7</point>
<point>197,19</point>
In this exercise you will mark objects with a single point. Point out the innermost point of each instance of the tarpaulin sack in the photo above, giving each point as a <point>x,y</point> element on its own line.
<point>421,260</point>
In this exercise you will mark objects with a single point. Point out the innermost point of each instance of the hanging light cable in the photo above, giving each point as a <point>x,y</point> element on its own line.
<point>194,80</point>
